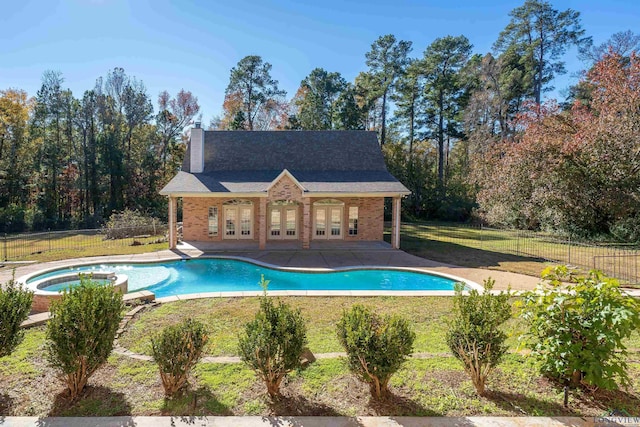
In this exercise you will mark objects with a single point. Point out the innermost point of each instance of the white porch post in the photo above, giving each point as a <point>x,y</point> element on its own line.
<point>395,223</point>
<point>173,235</point>
<point>262,226</point>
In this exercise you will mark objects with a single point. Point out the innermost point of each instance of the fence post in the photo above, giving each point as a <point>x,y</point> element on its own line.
<point>6,256</point>
<point>49,238</point>
<point>569,249</point>
<point>481,231</point>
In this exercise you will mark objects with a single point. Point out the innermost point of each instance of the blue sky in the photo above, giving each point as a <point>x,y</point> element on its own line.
<point>192,44</point>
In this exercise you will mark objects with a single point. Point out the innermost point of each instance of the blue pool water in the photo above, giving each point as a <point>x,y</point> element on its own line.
<point>225,275</point>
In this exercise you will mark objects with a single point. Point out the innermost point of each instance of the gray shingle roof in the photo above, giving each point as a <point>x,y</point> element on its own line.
<point>322,161</point>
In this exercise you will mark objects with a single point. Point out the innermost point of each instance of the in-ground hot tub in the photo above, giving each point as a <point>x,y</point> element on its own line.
<point>50,288</point>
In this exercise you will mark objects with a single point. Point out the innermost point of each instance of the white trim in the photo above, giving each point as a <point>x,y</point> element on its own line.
<point>265,194</point>
<point>285,172</point>
<point>226,194</point>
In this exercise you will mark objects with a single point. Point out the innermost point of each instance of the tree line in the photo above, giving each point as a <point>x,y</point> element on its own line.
<point>68,162</point>
<point>467,133</point>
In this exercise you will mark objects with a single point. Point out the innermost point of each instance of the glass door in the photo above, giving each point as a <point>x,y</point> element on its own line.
<point>238,220</point>
<point>245,222</point>
<point>327,222</point>
<point>230,222</point>
<point>283,222</point>
<point>335,214</point>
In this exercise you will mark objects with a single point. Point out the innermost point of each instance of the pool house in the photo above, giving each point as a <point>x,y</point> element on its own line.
<point>265,187</point>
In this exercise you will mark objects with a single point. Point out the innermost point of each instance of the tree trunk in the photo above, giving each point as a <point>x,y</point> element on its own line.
<point>441,141</point>
<point>383,131</point>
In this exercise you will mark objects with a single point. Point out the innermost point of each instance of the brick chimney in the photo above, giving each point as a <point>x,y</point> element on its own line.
<point>197,148</point>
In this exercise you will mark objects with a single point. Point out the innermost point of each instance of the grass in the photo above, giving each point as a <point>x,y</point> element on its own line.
<point>225,317</point>
<point>515,251</point>
<point>434,385</point>
<point>57,246</point>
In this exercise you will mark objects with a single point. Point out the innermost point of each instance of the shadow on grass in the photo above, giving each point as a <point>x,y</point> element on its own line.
<point>296,405</point>
<point>613,402</point>
<point>294,410</point>
<point>399,406</point>
<point>95,401</point>
<point>464,256</point>
<point>520,405</point>
<point>191,404</point>
<point>6,404</point>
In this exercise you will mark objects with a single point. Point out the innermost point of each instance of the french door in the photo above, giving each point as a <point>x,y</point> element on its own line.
<point>327,222</point>
<point>238,222</point>
<point>283,222</point>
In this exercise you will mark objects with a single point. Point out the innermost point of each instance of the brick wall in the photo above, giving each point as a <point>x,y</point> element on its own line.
<point>196,215</point>
<point>195,223</point>
<point>370,217</point>
<point>285,189</point>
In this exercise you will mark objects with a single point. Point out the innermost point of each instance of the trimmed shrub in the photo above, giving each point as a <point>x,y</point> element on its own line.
<point>576,329</point>
<point>474,336</point>
<point>130,223</point>
<point>176,350</point>
<point>15,305</point>
<point>81,332</point>
<point>376,347</point>
<point>273,342</point>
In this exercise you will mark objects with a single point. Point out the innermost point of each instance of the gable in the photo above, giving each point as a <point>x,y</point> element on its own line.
<point>285,187</point>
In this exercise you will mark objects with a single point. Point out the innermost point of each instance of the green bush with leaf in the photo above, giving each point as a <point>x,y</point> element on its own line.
<point>273,342</point>
<point>576,327</point>
<point>376,347</point>
<point>176,350</point>
<point>15,305</point>
<point>81,332</point>
<point>474,336</point>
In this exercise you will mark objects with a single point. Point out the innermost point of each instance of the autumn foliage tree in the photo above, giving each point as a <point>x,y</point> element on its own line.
<point>578,170</point>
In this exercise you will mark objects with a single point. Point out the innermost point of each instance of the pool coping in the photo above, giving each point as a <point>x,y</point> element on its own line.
<point>469,283</point>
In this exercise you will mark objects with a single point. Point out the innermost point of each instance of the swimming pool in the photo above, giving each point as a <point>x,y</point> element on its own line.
<point>230,275</point>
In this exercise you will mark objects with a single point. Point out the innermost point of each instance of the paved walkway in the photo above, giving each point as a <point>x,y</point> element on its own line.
<point>257,421</point>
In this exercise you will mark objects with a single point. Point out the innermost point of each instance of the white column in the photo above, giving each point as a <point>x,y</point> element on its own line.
<point>395,237</point>
<point>172,223</point>
<point>262,226</point>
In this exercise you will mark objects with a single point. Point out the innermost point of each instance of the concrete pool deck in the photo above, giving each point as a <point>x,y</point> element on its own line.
<point>326,258</point>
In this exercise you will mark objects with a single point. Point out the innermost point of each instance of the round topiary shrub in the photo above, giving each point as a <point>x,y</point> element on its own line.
<point>273,342</point>
<point>81,332</point>
<point>176,350</point>
<point>15,305</point>
<point>376,347</point>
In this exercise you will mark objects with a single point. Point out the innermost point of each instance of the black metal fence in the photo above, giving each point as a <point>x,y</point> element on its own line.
<point>616,260</point>
<point>15,247</point>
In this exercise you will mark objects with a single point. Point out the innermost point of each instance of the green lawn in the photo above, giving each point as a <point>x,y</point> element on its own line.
<point>44,247</point>
<point>434,384</point>
<point>515,251</point>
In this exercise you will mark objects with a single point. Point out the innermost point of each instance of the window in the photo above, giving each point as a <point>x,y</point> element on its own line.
<point>213,221</point>
<point>353,220</point>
